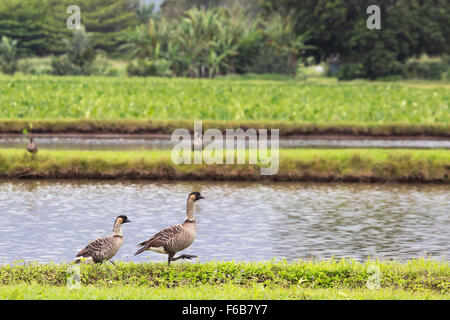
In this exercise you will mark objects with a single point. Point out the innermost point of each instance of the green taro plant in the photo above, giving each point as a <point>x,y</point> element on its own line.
<point>345,104</point>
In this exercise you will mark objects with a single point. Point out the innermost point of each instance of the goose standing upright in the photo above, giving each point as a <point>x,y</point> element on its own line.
<point>103,249</point>
<point>31,146</point>
<point>175,238</point>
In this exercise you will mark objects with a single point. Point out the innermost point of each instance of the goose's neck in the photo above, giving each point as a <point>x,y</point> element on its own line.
<point>190,210</point>
<point>117,230</point>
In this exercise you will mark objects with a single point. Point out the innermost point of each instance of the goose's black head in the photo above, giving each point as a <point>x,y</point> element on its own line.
<point>122,219</point>
<point>195,196</point>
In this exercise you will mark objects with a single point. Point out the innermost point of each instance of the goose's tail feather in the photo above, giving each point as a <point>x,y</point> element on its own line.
<point>140,250</point>
<point>84,260</point>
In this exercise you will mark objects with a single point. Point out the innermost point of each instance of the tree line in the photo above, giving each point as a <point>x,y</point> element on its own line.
<point>204,38</point>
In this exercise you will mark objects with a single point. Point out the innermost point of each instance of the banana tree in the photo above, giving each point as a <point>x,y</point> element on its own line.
<point>172,55</point>
<point>225,45</point>
<point>191,47</point>
<point>148,40</point>
<point>194,35</point>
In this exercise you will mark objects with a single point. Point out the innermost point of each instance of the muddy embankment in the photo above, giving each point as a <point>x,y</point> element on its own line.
<point>321,165</point>
<point>286,129</point>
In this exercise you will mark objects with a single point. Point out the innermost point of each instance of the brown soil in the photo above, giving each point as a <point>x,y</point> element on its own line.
<point>167,175</point>
<point>167,136</point>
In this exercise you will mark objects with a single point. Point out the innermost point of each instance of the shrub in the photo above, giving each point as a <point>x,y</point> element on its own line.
<point>148,68</point>
<point>269,60</point>
<point>445,76</point>
<point>141,68</point>
<point>35,66</point>
<point>111,72</point>
<point>249,47</point>
<point>100,66</point>
<point>351,71</point>
<point>25,67</point>
<point>79,57</point>
<point>63,66</point>
<point>430,70</point>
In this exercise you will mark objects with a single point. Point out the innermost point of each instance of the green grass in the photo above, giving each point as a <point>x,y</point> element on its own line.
<point>421,278</point>
<point>209,292</point>
<point>365,165</point>
<point>315,104</point>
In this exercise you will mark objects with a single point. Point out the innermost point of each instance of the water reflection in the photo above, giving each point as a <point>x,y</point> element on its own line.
<point>52,220</point>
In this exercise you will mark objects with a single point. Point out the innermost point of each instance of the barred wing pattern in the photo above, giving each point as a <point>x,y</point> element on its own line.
<point>172,239</point>
<point>102,249</point>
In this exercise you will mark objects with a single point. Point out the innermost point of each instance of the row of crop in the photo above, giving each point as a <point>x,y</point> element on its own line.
<point>231,100</point>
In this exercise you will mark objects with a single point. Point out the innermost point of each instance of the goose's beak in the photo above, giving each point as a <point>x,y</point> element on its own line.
<point>201,197</point>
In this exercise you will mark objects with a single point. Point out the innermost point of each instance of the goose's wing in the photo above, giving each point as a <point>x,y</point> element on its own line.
<point>162,238</point>
<point>99,249</point>
<point>31,147</point>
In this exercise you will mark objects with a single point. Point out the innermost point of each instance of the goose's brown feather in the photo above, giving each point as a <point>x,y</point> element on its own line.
<point>172,239</point>
<point>31,147</point>
<point>102,249</point>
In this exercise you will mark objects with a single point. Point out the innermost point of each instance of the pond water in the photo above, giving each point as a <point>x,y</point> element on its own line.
<point>52,220</point>
<point>70,143</point>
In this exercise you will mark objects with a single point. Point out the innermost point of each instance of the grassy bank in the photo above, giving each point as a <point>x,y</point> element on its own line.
<point>286,128</point>
<point>365,165</point>
<point>131,105</point>
<point>210,292</point>
<point>415,278</point>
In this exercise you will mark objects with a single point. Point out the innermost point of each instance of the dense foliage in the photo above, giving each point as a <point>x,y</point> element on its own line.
<point>200,38</point>
<point>217,41</point>
<point>27,22</point>
<point>338,29</point>
<point>45,26</point>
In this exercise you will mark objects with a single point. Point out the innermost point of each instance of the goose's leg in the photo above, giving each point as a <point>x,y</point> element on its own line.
<point>170,258</point>
<point>184,256</point>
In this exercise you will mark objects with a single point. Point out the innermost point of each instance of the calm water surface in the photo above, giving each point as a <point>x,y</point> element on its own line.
<point>51,220</point>
<point>58,143</point>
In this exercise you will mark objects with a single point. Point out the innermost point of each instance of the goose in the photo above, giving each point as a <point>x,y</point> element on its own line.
<point>175,238</point>
<point>103,249</point>
<point>31,146</point>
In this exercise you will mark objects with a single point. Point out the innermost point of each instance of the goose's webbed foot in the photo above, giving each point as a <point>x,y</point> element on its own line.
<point>184,256</point>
